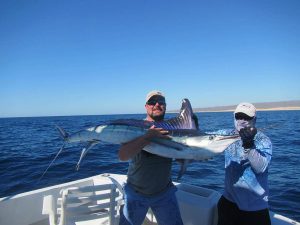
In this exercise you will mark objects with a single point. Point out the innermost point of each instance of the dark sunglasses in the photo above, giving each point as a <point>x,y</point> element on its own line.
<point>154,101</point>
<point>242,116</point>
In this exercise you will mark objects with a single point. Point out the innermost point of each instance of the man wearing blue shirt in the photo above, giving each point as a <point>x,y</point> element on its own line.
<point>245,198</point>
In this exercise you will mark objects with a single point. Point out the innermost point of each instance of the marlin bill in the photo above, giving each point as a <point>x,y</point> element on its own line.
<point>186,142</point>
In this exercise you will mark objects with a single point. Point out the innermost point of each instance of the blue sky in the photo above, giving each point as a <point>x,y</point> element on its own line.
<point>102,57</point>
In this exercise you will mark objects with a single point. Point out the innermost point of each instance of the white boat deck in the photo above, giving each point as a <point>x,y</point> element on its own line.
<point>197,205</point>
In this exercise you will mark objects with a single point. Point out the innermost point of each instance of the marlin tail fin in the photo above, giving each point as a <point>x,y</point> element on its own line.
<point>62,133</point>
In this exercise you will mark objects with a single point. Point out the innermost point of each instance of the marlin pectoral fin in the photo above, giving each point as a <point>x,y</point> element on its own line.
<point>84,151</point>
<point>183,166</point>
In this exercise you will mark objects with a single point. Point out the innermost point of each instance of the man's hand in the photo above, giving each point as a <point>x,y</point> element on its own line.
<point>155,132</point>
<point>130,149</point>
<point>247,135</point>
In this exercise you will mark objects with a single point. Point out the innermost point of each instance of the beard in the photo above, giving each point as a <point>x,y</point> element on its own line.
<point>159,117</point>
<point>156,113</point>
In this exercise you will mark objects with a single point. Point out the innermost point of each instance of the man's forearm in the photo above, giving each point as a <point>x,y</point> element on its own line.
<point>258,162</point>
<point>131,148</point>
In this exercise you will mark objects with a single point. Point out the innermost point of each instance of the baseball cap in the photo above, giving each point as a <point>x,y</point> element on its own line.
<point>153,93</point>
<point>246,108</point>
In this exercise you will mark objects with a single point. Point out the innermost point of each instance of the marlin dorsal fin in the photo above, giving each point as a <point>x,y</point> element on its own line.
<point>183,121</point>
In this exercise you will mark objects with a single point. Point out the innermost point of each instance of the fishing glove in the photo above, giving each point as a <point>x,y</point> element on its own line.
<point>247,135</point>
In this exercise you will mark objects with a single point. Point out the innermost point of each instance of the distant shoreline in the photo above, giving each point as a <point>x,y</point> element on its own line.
<point>258,109</point>
<point>260,106</point>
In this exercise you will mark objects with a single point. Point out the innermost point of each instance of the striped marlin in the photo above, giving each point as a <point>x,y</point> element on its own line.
<point>187,142</point>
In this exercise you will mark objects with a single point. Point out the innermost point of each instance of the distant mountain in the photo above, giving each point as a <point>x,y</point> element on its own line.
<point>261,106</point>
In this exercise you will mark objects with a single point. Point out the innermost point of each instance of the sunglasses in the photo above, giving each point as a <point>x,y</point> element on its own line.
<point>242,116</point>
<point>154,101</point>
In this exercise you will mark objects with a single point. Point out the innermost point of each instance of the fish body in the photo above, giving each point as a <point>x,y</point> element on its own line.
<point>194,145</point>
<point>187,142</point>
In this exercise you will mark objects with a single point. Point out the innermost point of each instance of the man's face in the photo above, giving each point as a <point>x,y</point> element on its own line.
<point>156,108</point>
<point>241,120</point>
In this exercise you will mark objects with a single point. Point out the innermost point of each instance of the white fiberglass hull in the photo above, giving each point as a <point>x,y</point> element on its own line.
<point>197,204</point>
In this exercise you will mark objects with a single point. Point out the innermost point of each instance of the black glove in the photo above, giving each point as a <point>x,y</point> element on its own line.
<point>247,135</point>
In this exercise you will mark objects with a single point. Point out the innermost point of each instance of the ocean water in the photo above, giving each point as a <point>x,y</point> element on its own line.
<point>28,145</point>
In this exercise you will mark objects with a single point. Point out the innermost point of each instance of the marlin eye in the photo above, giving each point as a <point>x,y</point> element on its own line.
<point>211,137</point>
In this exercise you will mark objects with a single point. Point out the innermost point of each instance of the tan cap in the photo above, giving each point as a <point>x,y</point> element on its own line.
<point>246,108</point>
<point>153,93</point>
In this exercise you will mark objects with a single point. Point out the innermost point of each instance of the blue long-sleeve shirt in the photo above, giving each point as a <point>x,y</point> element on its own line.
<point>246,173</point>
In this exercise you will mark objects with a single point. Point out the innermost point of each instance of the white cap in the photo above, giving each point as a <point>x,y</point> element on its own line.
<point>153,93</point>
<point>246,108</point>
